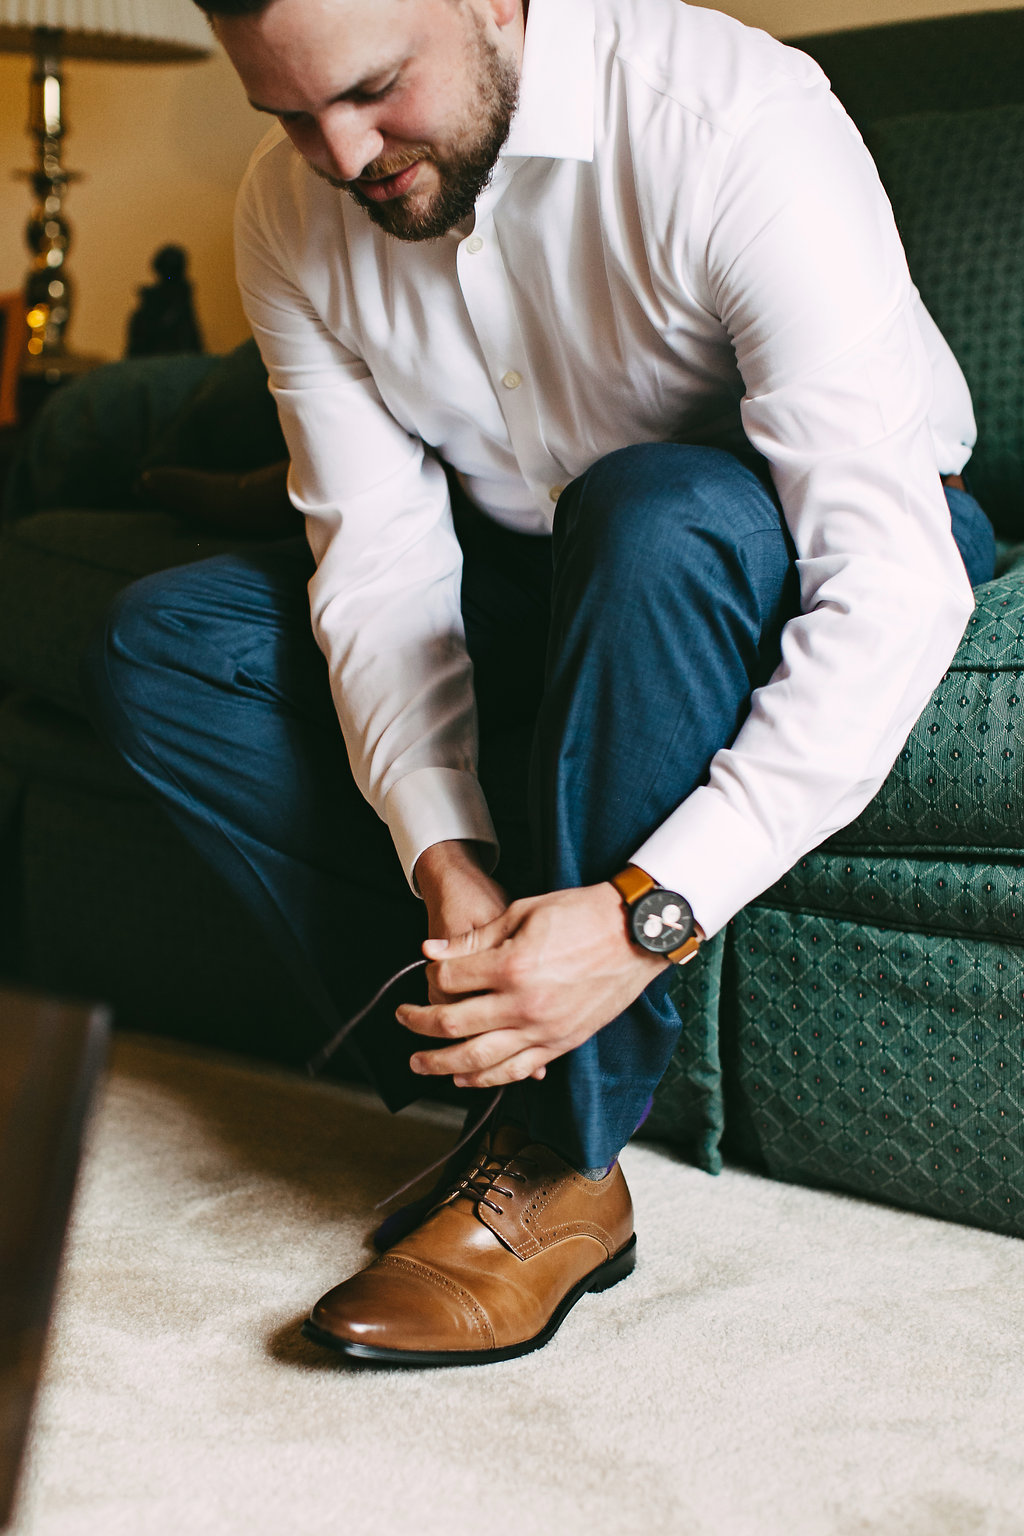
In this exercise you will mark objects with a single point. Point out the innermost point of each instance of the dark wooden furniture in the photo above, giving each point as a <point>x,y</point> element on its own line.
<point>50,1056</point>
<point>12,348</point>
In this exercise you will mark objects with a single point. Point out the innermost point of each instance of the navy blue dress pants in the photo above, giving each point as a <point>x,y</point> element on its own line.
<point>611,662</point>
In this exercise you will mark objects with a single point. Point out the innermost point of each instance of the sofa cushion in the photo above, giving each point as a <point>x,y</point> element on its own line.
<point>943,893</point>
<point>956,182</point>
<point>959,779</point>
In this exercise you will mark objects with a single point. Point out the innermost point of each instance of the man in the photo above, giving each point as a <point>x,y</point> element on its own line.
<point>619,431</point>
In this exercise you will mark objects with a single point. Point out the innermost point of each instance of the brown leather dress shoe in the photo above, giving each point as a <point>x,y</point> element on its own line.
<point>492,1270</point>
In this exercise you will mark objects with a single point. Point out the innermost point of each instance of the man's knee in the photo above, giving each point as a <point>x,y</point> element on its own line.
<point>117,667</point>
<point>660,509</point>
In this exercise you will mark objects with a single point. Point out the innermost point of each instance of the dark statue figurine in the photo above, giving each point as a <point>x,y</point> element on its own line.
<point>165,321</point>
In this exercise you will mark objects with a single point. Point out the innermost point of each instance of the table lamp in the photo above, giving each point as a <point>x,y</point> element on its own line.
<point>126,31</point>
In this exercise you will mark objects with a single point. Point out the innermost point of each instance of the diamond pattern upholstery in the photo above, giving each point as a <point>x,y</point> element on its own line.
<point>861,1026</point>
<point>883,1061</point>
<point>961,773</point>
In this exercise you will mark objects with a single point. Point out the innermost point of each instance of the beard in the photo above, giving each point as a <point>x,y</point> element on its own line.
<point>464,165</point>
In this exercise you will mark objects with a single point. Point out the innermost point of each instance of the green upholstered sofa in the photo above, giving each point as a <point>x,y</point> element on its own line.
<point>861,1025</point>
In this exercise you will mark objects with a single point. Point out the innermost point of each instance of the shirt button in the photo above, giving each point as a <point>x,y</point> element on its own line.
<point>555,492</point>
<point>474,244</point>
<point>512,380</point>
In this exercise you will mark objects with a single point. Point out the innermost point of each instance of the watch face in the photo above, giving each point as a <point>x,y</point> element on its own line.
<point>662,921</point>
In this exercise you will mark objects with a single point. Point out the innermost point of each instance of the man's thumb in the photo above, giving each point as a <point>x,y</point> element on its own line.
<point>461,944</point>
<point>454,948</point>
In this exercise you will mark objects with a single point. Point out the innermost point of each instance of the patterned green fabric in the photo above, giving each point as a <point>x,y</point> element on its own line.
<point>862,1025</point>
<point>882,1062</point>
<point>943,894</point>
<point>960,775</point>
<point>956,181</point>
<point>688,1109</point>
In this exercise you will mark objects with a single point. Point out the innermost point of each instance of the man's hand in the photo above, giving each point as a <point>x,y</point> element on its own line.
<point>535,982</point>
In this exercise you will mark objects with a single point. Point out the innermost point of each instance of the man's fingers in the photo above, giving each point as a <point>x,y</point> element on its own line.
<point>479,1054</point>
<point>455,1021</point>
<point>488,1061</point>
<point>514,1069</point>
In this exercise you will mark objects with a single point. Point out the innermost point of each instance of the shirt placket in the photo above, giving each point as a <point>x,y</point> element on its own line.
<point>487,294</point>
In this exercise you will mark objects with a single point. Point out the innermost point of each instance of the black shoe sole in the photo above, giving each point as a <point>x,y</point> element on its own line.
<point>600,1279</point>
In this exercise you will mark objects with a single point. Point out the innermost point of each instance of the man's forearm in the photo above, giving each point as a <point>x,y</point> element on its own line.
<point>458,893</point>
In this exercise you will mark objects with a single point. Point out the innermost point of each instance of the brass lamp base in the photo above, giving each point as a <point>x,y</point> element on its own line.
<point>47,288</point>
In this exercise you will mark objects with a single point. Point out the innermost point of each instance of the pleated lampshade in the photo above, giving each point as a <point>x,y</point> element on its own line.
<point>132,31</point>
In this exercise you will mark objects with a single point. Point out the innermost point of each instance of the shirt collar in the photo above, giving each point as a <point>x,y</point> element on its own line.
<point>555,117</point>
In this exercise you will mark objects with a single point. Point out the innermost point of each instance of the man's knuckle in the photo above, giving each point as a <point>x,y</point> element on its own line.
<point>535,1008</point>
<point>517,970</point>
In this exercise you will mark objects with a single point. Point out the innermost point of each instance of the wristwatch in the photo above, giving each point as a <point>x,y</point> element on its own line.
<point>660,921</point>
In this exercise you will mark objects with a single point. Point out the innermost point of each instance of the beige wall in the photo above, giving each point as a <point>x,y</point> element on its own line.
<point>163,148</point>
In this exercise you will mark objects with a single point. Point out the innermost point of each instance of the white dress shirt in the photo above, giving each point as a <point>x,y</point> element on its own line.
<point>683,234</point>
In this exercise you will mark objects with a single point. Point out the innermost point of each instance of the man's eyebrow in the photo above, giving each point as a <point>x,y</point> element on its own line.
<point>363,88</point>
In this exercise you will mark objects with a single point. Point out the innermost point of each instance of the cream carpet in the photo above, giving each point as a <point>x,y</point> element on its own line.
<point>782,1362</point>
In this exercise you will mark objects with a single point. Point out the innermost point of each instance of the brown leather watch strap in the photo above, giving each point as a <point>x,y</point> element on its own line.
<point>632,883</point>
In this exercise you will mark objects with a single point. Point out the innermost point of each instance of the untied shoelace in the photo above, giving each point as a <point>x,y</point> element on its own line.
<point>319,1060</point>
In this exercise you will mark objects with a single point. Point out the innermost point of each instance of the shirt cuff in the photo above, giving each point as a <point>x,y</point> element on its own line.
<point>435,805</point>
<point>714,856</point>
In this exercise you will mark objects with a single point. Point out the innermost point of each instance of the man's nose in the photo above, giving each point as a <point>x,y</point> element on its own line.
<point>350,141</point>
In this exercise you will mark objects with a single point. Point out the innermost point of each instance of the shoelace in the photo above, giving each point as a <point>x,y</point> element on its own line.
<point>319,1060</point>
<point>483,1182</point>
